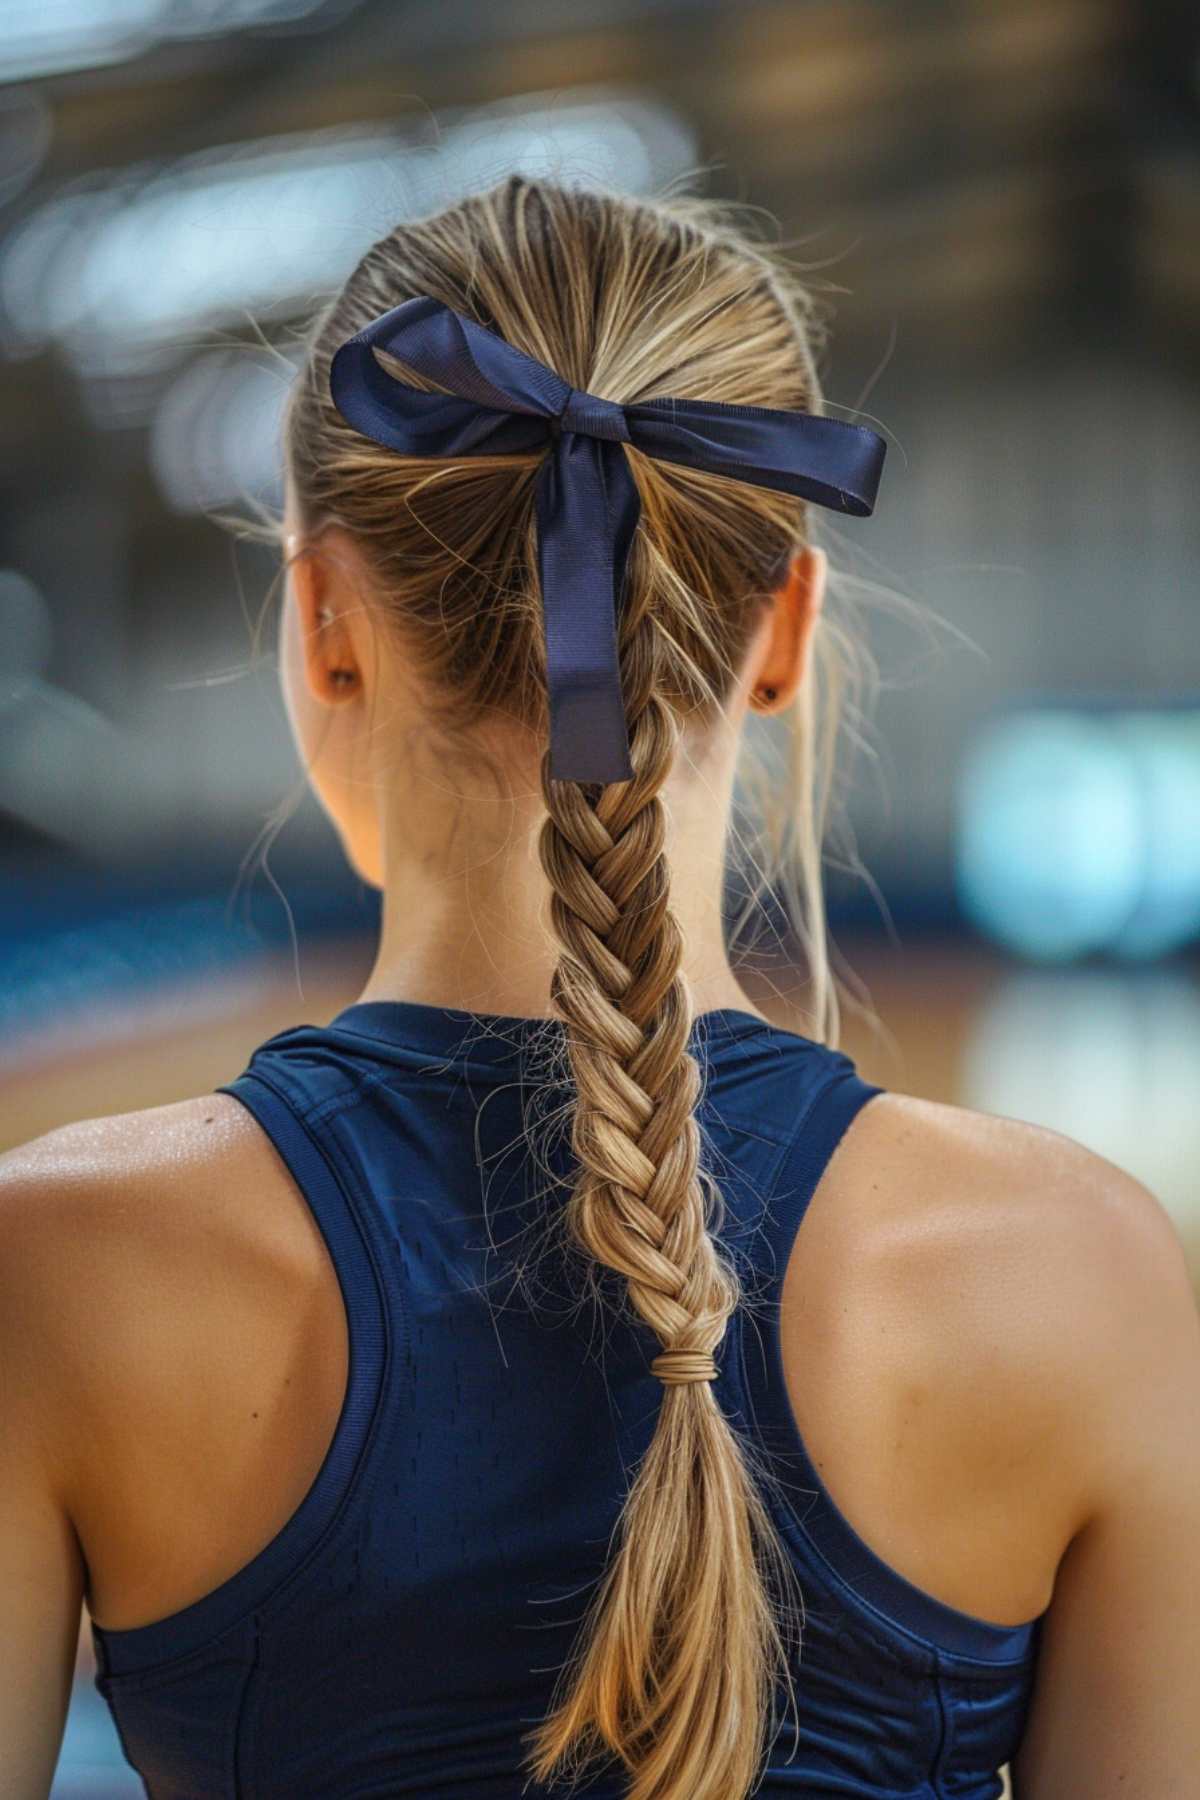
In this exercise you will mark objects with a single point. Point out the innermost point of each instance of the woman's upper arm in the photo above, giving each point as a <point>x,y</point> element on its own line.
<point>41,1565</point>
<point>1115,1713</point>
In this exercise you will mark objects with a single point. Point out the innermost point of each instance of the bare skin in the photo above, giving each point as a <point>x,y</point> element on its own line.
<point>990,1339</point>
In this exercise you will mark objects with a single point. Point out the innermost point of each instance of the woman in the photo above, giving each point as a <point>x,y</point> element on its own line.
<point>451,1401</point>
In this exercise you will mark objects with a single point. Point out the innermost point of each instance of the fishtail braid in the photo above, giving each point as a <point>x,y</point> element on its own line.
<point>647,1685</point>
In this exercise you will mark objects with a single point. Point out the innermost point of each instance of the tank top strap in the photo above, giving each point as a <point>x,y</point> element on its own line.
<point>811,1098</point>
<point>827,1094</point>
<point>825,1114</point>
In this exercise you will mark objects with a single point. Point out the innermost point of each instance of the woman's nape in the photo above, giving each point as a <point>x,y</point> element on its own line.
<point>444,819</point>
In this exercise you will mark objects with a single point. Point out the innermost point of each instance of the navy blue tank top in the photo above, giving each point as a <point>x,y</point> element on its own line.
<point>402,1632</point>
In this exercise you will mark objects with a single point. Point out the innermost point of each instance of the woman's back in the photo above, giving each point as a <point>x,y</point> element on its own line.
<point>325,1425</point>
<point>388,1618</point>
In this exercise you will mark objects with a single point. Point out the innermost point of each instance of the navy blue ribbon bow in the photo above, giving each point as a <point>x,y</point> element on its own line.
<point>502,402</point>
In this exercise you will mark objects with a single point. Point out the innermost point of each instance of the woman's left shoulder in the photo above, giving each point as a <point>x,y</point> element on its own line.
<point>1052,1261</point>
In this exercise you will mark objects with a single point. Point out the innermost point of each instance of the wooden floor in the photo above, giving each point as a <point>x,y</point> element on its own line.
<point>1111,1057</point>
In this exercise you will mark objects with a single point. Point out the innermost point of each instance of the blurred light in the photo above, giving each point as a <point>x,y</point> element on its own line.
<point>217,435</point>
<point>113,268</point>
<point>1110,1058</point>
<point>1164,750</point>
<point>1079,832</point>
<point>48,37</point>
<point>1049,844</point>
<point>122,266</point>
<point>26,634</point>
<point>45,38</point>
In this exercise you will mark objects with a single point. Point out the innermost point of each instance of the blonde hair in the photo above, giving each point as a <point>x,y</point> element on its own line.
<point>629,300</point>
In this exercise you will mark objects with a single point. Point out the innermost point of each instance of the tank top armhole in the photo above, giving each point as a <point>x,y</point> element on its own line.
<point>144,1649</point>
<point>801,1504</point>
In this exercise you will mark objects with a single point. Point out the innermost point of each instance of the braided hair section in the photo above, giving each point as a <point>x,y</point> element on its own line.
<point>681,1647</point>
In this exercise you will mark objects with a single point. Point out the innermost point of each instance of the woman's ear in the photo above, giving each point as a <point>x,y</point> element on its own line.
<point>322,592</point>
<point>787,632</point>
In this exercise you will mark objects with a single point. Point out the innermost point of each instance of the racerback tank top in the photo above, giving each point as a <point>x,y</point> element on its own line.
<point>403,1630</point>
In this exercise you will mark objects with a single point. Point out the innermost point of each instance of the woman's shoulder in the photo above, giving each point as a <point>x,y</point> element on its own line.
<point>130,1243</point>
<point>137,1184</point>
<point>1014,1274</point>
<point>1009,1203</point>
<point>999,1225</point>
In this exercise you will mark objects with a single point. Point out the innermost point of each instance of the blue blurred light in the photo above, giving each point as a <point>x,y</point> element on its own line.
<point>1049,843</point>
<point>123,266</point>
<point>1079,832</point>
<point>44,37</point>
<point>1164,752</point>
<point>48,37</point>
<point>217,434</point>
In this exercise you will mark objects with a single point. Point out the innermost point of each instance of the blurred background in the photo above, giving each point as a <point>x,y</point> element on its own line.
<point>1002,198</point>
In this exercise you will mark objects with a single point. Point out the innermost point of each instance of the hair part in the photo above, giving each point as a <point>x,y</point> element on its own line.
<point>630,300</point>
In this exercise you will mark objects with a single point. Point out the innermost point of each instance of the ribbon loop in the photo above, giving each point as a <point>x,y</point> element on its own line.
<point>502,402</point>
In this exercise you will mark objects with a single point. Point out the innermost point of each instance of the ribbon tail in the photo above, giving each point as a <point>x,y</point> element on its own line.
<point>587,511</point>
<point>827,461</point>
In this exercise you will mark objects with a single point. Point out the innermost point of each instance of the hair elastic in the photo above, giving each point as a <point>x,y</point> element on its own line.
<point>675,1367</point>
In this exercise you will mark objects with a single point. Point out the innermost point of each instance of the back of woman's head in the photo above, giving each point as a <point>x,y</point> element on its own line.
<point>627,300</point>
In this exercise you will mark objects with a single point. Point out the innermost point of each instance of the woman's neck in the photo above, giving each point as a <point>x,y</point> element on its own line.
<point>466,905</point>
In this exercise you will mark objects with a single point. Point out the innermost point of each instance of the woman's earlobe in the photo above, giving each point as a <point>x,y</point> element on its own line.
<point>324,600</point>
<point>331,667</point>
